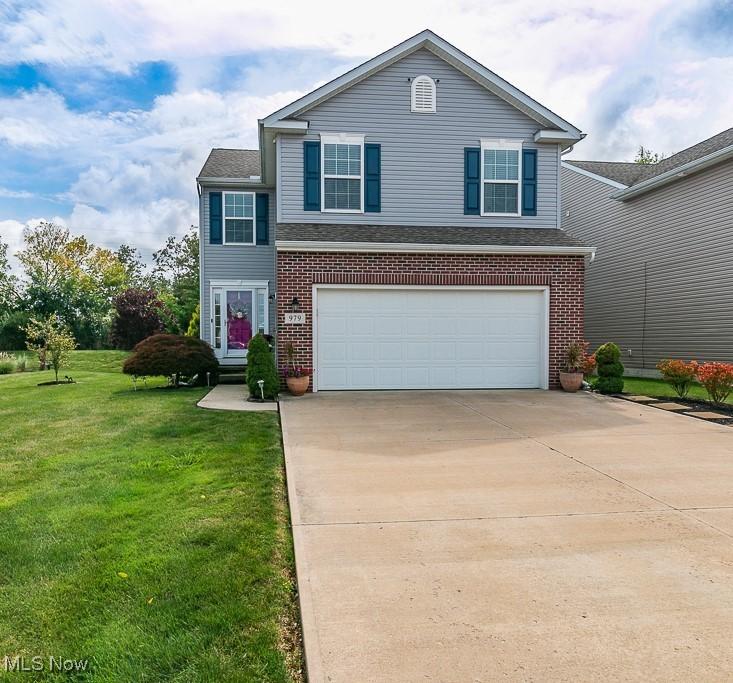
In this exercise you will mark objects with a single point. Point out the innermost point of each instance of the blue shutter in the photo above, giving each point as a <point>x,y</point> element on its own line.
<point>262,209</point>
<point>215,217</point>
<point>311,176</point>
<point>471,181</point>
<point>372,178</point>
<point>529,182</point>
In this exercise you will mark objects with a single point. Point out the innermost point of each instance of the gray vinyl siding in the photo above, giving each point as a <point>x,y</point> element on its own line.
<point>234,262</point>
<point>422,154</point>
<point>683,235</point>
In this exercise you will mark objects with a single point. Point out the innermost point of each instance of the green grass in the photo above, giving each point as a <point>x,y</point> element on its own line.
<point>657,388</point>
<point>96,479</point>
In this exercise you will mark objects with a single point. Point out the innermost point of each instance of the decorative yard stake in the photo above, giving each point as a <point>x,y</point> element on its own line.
<point>261,385</point>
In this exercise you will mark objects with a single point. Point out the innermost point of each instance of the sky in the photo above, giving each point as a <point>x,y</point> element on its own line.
<point>108,108</point>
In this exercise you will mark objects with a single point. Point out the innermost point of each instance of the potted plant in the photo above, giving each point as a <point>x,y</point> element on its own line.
<point>571,376</point>
<point>296,377</point>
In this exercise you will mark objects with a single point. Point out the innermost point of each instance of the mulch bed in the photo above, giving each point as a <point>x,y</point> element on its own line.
<point>697,405</point>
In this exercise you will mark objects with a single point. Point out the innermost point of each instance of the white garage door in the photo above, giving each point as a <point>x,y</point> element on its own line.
<point>430,338</point>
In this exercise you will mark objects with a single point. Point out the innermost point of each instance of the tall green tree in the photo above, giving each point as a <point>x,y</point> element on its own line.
<point>72,278</point>
<point>176,270</point>
<point>9,284</point>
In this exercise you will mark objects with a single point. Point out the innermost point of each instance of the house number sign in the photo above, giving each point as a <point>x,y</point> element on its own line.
<point>295,318</point>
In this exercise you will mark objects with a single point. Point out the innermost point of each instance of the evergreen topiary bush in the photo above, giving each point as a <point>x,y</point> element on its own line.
<point>610,369</point>
<point>261,366</point>
<point>172,355</point>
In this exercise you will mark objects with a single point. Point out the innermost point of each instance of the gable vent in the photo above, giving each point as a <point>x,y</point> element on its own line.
<point>423,94</point>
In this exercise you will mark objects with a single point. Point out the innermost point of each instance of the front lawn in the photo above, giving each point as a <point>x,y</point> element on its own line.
<point>657,388</point>
<point>141,532</point>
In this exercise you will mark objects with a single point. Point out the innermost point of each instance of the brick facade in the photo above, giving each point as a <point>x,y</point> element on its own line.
<point>297,272</point>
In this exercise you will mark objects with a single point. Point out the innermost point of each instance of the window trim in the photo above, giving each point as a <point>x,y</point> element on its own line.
<point>502,143</point>
<point>224,219</point>
<point>434,103</point>
<point>342,139</point>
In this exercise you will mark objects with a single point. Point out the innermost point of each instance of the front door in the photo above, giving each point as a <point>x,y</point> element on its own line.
<point>238,313</point>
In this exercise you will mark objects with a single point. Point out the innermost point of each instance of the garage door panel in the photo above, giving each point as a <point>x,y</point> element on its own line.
<point>422,338</point>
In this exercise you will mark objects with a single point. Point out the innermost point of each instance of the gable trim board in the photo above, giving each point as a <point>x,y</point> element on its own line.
<point>595,176</point>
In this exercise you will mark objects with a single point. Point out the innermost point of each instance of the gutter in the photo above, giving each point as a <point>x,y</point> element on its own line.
<point>403,248</point>
<point>675,174</point>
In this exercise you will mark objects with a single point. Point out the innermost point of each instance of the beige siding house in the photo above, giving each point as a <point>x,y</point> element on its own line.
<point>661,285</point>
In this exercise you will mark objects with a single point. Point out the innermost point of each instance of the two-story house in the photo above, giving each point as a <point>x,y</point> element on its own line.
<point>400,226</point>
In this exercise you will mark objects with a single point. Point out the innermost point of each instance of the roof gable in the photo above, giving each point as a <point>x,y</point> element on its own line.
<point>443,49</point>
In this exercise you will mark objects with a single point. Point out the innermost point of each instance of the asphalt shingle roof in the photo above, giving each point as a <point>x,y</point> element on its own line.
<point>629,173</point>
<point>231,163</point>
<point>402,234</point>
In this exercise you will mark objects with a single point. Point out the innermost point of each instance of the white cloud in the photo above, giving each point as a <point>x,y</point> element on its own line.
<point>622,71</point>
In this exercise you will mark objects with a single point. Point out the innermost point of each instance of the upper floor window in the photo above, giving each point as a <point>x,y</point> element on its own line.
<point>239,218</point>
<point>343,185</point>
<point>501,162</point>
<point>423,94</point>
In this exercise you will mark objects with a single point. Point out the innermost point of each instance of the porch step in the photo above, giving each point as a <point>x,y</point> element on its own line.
<point>231,378</point>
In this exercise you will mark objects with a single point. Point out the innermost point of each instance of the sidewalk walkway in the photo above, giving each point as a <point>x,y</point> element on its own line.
<point>233,397</point>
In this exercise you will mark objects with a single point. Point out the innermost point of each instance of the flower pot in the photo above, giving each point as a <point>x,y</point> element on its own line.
<point>571,381</point>
<point>297,386</point>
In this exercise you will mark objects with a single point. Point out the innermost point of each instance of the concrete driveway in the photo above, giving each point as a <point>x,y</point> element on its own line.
<point>509,535</point>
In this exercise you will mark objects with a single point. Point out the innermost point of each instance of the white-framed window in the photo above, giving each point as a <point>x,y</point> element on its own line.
<point>501,171</point>
<point>342,182</point>
<point>423,95</point>
<point>239,218</point>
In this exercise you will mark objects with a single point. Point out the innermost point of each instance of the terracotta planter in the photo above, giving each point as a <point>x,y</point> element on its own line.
<point>571,381</point>
<point>297,386</point>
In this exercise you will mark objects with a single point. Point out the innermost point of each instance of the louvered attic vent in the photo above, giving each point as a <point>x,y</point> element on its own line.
<point>423,94</point>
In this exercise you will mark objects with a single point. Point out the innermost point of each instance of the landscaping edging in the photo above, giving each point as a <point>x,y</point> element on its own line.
<point>701,410</point>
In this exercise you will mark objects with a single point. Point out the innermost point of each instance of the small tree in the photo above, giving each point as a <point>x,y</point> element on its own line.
<point>139,313</point>
<point>646,156</point>
<point>171,355</point>
<point>678,374</point>
<point>52,341</point>
<point>194,325</point>
<point>610,369</point>
<point>261,366</point>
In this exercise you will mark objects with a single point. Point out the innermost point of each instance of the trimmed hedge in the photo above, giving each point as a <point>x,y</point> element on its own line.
<point>172,355</point>
<point>610,369</point>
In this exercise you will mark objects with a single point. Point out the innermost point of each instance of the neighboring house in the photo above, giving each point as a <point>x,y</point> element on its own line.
<point>662,285</point>
<point>400,226</point>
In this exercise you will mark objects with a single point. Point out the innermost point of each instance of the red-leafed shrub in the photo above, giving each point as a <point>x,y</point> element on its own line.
<point>717,378</point>
<point>172,355</point>
<point>139,313</point>
<point>679,374</point>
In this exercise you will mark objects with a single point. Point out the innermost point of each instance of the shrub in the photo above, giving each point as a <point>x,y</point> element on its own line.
<point>171,355</point>
<point>679,374</point>
<point>589,364</point>
<point>717,378</point>
<point>610,369</point>
<point>52,341</point>
<point>139,313</point>
<point>261,366</point>
<point>8,363</point>
<point>12,330</point>
<point>21,363</point>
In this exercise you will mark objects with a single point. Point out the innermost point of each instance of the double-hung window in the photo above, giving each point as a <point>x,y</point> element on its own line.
<point>239,218</point>
<point>343,177</point>
<point>501,170</point>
